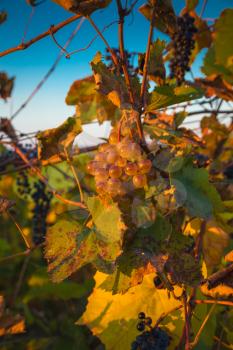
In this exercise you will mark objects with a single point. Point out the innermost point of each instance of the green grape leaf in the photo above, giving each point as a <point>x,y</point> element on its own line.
<point>53,141</point>
<point>111,85</point>
<point>90,104</point>
<point>179,118</point>
<point>219,57</point>
<point>107,219</point>
<point>191,4</point>
<point>164,17</point>
<point>64,291</point>
<point>164,96</point>
<point>83,7</point>
<point>107,315</point>
<point>69,246</point>
<point>6,85</point>
<point>3,16</point>
<point>198,195</point>
<point>156,68</point>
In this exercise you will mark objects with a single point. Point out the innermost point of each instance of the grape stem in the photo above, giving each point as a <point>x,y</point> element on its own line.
<point>28,245</point>
<point>45,181</point>
<point>146,64</point>
<point>122,13</point>
<point>196,340</point>
<point>74,174</point>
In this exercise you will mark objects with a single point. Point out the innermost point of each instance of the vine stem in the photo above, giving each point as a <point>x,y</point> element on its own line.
<point>227,346</point>
<point>122,13</point>
<point>28,245</point>
<point>20,254</point>
<point>165,314</point>
<point>218,302</point>
<point>45,181</point>
<point>196,340</point>
<point>74,174</point>
<point>114,56</point>
<point>145,68</point>
<point>187,321</point>
<point>51,70</point>
<point>43,35</point>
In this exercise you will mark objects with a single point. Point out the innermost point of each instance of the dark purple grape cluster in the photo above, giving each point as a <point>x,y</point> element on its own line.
<point>42,200</point>
<point>153,339</point>
<point>143,322</point>
<point>23,185</point>
<point>129,57</point>
<point>183,43</point>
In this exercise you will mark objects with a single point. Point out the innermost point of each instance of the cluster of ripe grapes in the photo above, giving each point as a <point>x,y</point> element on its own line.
<point>42,200</point>
<point>119,167</point>
<point>183,44</point>
<point>129,60</point>
<point>152,339</point>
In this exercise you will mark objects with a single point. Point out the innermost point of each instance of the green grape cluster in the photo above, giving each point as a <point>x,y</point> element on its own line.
<point>119,167</point>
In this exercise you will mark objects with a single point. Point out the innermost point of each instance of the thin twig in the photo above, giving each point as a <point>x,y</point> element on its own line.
<point>122,14</point>
<point>165,314</point>
<point>28,245</point>
<point>196,340</point>
<point>187,321</point>
<point>56,42</point>
<point>45,181</point>
<point>50,71</point>
<point>114,56</point>
<point>28,23</point>
<point>218,302</point>
<point>203,8</point>
<point>74,174</point>
<point>20,254</point>
<point>56,28</point>
<point>227,346</point>
<point>147,57</point>
<point>69,54</point>
<point>20,279</point>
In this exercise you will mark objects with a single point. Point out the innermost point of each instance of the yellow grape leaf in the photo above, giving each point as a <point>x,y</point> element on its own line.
<point>229,257</point>
<point>215,240</point>
<point>53,141</point>
<point>10,324</point>
<point>109,315</point>
<point>220,291</point>
<point>83,7</point>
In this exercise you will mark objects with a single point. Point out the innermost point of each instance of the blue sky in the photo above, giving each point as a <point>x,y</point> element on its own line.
<point>48,107</point>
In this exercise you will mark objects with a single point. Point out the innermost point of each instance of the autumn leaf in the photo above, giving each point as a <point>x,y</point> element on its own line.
<point>53,141</point>
<point>106,312</point>
<point>84,7</point>
<point>164,15</point>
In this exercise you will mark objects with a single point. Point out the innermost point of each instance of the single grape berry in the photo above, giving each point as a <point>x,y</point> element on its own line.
<point>141,315</point>
<point>141,326</point>
<point>148,321</point>
<point>158,282</point>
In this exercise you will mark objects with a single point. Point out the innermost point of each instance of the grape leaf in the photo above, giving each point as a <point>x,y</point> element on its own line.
<point>218,59</point>
<point>191,4</point>
<point>69,246</point>
<point>84,7</point>
<point>53,141</point>
<point>111,85</point>
<point>201,198</point>
<point>107,219</point>
<point>90,104</point>
<point>215,240</point>
<point>6,85</point>
<point>156,68</point>
<point>164,96</point>
<point>164,17</point>
<point>3,16</point>
<point>105,311</point>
